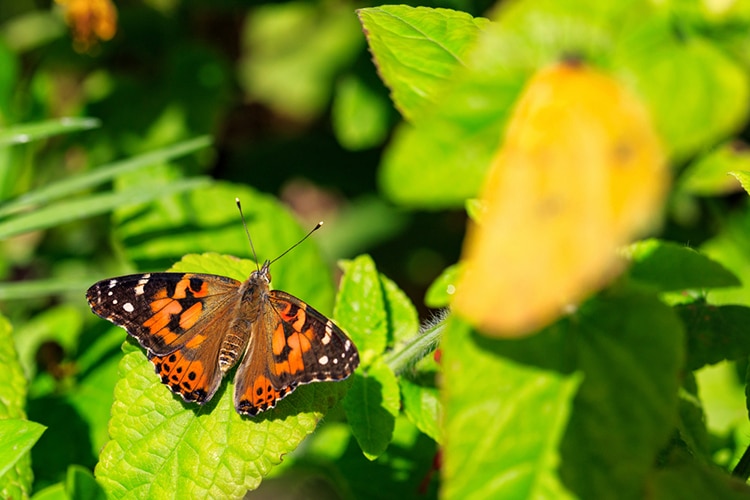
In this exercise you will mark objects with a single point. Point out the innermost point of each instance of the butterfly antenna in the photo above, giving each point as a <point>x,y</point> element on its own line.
<point>317,226</point>
<point>247,232</point>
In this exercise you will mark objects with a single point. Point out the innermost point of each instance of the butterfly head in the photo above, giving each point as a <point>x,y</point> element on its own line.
<point>263,273</point>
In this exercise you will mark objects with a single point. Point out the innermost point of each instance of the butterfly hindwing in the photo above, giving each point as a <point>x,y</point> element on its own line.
<point>294,344</point>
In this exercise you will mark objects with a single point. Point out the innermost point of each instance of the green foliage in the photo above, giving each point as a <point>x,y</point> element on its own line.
<point>17,434</point>
<point>105,170</point>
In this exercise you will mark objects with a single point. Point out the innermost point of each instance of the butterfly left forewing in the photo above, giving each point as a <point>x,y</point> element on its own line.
<point>179,318</point>
<point>160,309</point>
<point>292,344</point>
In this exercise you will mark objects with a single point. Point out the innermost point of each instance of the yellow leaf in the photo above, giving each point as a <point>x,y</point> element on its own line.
<point>581,172</point>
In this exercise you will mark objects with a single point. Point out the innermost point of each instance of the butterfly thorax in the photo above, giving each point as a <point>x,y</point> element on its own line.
<point>254,292</point>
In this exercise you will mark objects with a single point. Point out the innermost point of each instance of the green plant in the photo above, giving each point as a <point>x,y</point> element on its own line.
<point>636,392</point>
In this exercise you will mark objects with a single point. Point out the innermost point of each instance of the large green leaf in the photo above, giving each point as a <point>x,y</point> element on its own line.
<point>503,422</point>
<point>630,348</point>
<point>161,447</point>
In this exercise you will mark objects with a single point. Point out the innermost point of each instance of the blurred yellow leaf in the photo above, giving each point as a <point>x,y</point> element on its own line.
<point>581,172</point>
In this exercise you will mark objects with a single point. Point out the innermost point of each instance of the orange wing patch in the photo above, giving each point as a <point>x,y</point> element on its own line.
<point>191,315</point>
<point>260,396</point>
<point>187,377</point>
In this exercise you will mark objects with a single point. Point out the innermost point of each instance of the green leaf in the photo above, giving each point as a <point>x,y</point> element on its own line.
<point>418,49</point>
<point>503,422</point>
<point>161,447</point>
<point>440,293</point>
<point>27,132</point>
<point>360,308</point>
<point>630,348</point>
<point>65,187</point>
<point>627,345</point>
<point>80,484</point>
<point>422,406</point>
<point>17,436</point>
<point>671,267</point>
<point>359,115</point>
<point>16,482</point>
<point>715,333</point>
<point>710,175</point>
<point>744,178</point>
<point>70,210</point>
<point>372,405</point>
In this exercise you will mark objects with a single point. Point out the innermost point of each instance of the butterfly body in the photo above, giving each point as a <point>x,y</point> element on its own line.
<point>197,327</point>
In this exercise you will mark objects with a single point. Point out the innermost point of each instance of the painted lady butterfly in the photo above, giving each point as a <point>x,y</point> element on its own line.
<point>196,327</point>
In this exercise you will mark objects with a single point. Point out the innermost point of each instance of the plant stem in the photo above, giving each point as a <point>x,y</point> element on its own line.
<point>415,348</point>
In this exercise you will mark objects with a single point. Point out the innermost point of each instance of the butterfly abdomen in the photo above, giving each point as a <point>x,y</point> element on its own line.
<point>232,348</point>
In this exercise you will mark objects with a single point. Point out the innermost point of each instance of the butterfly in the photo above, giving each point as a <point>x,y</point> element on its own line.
<point>197,327</point>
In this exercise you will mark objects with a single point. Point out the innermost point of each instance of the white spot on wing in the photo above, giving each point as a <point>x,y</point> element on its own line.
<point>128,307</point>
<point>112,283</point>
<point>114,302</point>
<point>323,360</point>
<point>109,294</point>
<point>141,283</point>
